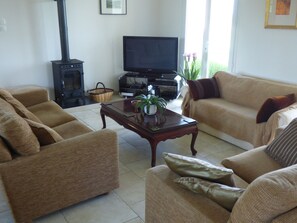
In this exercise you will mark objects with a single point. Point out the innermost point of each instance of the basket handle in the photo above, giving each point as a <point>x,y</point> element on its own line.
<point>102,85</point>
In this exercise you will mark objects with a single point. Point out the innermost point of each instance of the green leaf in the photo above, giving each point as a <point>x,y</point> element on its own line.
<point>146,101</point>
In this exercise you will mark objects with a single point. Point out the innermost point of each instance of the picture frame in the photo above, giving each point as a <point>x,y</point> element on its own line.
<point>281,14</point>
<point>113,7</point>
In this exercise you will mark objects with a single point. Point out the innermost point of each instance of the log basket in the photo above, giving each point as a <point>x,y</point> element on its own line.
<point>101,94</point>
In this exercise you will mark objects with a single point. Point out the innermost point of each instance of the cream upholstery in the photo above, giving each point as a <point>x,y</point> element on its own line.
<point>168,202</point>
<point>235,112</point>
<point>271,195</point>
<point>267,197</point>
<point>260,162</point>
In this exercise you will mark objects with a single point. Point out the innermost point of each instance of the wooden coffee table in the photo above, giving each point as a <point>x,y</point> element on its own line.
<point>156,128</point>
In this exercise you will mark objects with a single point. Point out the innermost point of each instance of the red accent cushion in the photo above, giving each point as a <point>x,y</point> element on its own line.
<point>203,88</point>
<point>274,104</point>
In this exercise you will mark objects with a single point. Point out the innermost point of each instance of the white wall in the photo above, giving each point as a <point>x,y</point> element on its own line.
<point>32,37</point>
<point>267,53</point>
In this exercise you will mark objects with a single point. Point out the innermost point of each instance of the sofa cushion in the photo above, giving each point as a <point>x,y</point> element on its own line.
<point>77,128</point>
<point>193,167</point>
<point>283,148</point>
<point>251,164</point>
<point>5,154</point>
<point>235,88</point>
<point>44,134</point>
<point>51,114</point>
<point>203,88</point>
<point>223,195</point>
<point>166,201</point>
<point>274,104</point>
<point>225,116</point>
<point>18,106</point>
<point>268,196</point>
<point>5,106</point>
<point>18,133</point>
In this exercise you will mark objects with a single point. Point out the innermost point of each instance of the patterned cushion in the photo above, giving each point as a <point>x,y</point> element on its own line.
<point>193,167</point>
<point>268,196</point>
<point>283,149</point>
<point>223,195</point>
<point>18,106</point>
<point>203,88</point>
<point>274,104</point>
<point>18,133</point>
<point>44,134</point>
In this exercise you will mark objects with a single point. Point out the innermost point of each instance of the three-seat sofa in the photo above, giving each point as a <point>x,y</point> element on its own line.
<point>55,171</point>
<point>232,114</point>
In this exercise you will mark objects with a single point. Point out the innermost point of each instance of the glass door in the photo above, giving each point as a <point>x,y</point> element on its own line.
<point>209,28</point>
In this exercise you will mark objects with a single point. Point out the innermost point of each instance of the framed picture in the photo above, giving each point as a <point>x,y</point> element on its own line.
<point>281,14</point>
<point>113,7</point>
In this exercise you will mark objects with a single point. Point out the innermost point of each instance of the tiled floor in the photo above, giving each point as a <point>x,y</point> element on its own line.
<point>126,204</point>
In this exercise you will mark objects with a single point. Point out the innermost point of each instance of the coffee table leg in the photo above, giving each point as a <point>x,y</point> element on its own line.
<point>153,148</point>
<point>103,120</point>
<point>194,136</point>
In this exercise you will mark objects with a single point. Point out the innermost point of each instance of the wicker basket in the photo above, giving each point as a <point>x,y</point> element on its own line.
<point>101,94</point>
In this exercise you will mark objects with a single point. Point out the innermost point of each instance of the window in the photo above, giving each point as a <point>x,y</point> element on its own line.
<point>209,28</point>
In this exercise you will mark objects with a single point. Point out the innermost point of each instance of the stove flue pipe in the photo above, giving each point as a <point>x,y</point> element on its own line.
<point>63,30</point>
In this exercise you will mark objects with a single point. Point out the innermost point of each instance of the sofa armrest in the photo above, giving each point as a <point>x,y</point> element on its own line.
<point>165,201</point>
<point>62,174</point>
<point>186,104</point>
<point>30,95</point>
<point>279,118</point>
<point>279,130</point>
<point>251,164</point>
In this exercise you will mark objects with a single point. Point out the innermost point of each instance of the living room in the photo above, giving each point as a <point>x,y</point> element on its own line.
<point>30,41</point>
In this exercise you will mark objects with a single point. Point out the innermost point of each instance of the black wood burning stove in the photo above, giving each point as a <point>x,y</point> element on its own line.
<point>68,73</point>
<point>69,82</point>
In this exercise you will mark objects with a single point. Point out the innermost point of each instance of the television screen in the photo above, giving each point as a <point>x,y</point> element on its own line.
<point>157,55</point>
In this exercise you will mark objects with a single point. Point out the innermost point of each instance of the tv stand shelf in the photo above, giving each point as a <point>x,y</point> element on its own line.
<point>166,86</point>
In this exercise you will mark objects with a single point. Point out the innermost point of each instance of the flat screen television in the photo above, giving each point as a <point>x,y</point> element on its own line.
<point>154,55</point>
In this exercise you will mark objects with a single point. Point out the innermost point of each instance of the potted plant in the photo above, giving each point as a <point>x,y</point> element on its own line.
<point>149,104</point>
<point>190,71</point>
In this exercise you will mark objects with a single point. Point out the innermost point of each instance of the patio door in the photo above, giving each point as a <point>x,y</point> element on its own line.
<point>210,32</point>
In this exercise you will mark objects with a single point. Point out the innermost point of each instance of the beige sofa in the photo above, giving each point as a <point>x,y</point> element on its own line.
<point>232,116</point>
<point>167,202</point>
<point>81,165</point>
<point>270,196</point>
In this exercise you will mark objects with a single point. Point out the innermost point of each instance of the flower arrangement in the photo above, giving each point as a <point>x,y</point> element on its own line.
<point>191,68</point>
